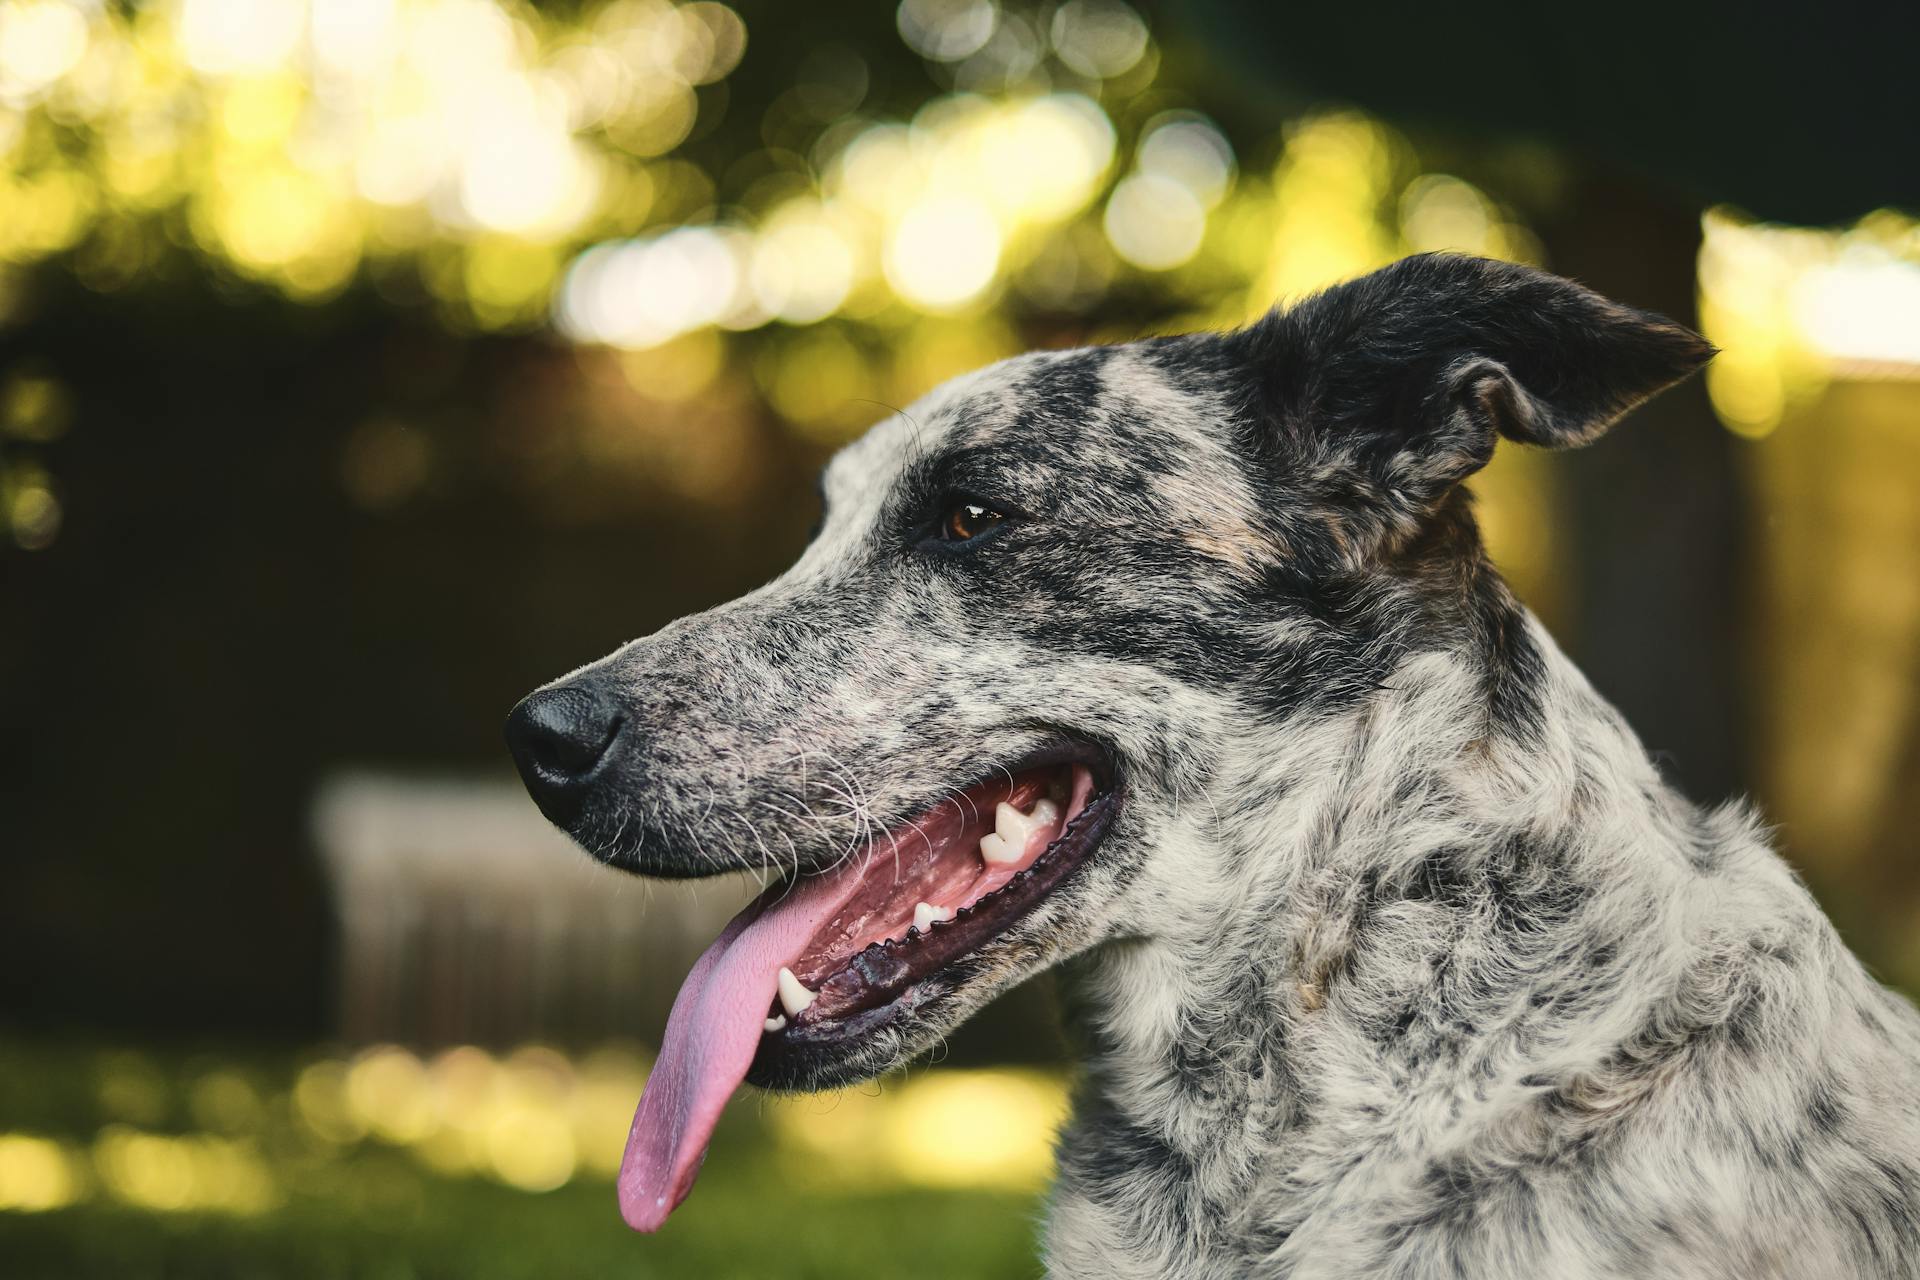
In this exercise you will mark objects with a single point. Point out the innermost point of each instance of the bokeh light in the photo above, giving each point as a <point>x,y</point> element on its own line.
<point>1186,148</point>
<point>181,1173</point>
<point>524,167</point>
<point>1154,222</point>
<point>534,167</point>
<point>40,42</point>
<point>951,1128</point>
<point>947,30</point>
<point>1792,308</point>
<point>305,140</point>
<point>518,168</point>
<point>533,1119</point>
<point>1100,39</point>
<point>37,1174</point>
<point>943,252</point>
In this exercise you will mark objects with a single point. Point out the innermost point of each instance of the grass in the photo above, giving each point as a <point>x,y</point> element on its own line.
<point>393,1223</point>
<point>129,1165</point>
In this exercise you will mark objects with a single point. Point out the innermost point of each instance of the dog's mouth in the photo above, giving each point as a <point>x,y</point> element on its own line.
<point>815,967</point>
<point>932,894</point>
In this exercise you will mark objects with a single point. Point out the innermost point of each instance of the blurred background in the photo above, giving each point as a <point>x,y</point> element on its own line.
<point>366,363</point>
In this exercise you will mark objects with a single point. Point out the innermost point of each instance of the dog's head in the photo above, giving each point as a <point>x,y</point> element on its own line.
<point>1046,606</point>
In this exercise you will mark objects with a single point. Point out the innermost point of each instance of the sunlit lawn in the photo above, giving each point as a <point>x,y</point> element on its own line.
<point>123,1165</point>
<point>385,1218</point>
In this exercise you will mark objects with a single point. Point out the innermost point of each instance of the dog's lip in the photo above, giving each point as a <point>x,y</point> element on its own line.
<point>714,1039</point>
<point>1058,749</point>
<point>813,1041</point>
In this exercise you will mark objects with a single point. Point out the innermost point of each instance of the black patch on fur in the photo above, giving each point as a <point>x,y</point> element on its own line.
<point>1414,369</point>
<point>1120,1156</point>
<point>1826,1110</point>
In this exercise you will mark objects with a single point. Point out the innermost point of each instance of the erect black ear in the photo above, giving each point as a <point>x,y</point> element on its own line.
<point>1410,373</point>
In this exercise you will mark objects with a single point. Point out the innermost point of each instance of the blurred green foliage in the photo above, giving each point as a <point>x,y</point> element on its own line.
<point>374,1208</point>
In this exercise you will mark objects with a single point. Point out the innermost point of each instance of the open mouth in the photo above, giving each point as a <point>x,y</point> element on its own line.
<point>813,967</point>
<point>931,894</point>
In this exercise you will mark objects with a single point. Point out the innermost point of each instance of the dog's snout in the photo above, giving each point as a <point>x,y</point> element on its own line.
<point>558,738</point>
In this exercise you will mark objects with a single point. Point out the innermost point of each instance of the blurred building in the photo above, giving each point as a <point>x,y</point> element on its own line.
<point>465,918</point>
<point>1837,651</point>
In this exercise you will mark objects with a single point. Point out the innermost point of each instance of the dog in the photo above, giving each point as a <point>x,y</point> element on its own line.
<point>1178,665</point>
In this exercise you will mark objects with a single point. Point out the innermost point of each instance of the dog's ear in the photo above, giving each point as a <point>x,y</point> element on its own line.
<point>1407,376</point>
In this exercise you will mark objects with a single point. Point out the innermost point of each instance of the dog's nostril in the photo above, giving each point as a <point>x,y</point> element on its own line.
<point>561,734</point>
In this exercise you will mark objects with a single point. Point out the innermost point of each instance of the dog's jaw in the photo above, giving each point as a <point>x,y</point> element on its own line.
<point>834,976</point>
<point>888,1004</point>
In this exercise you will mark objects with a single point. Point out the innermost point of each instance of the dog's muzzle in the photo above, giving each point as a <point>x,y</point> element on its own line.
<point>561,738</point>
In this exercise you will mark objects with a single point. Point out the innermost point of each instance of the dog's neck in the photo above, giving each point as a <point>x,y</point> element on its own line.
<point>1380,931</point>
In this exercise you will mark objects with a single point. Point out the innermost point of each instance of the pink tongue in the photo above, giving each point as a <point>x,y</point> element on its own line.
<point>711,1036</point>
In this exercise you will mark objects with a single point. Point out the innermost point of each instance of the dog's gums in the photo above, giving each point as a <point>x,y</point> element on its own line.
<point>937,894</point>
<point>818,963</point>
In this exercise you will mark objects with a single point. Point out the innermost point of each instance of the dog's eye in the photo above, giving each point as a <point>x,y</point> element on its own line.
<point>967,520</point>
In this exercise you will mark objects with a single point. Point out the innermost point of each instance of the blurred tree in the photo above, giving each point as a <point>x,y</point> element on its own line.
<point>295,472</point>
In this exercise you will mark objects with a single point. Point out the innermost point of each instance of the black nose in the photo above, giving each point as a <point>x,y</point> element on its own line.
<point>558,738</point>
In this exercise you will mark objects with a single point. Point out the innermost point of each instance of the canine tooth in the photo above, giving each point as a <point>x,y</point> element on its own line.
<point>925,914</point>
<point>776,1023</point>
<point>793,996</point>
<point>996,848</point>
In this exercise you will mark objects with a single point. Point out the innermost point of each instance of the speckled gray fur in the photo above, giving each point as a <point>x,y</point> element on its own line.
<point>1401,958</point>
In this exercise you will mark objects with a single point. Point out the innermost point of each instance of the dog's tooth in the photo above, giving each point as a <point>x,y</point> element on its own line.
<point>776,1023</point>
<point>924,914</point>
<point>996,848</point>
<point>1045,813</point>
<point>1011,825</point>
<point>793,996</point>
